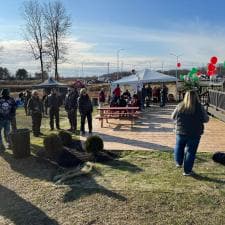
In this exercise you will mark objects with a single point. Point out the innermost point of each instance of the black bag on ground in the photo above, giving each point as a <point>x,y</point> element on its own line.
<point>219,157</point>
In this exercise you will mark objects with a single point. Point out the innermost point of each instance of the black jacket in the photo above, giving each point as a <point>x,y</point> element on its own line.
<point>85,105</point>
<point>54,101</point>
<point>7,108</point>
<point>35,106</point>
<point>71,101</point>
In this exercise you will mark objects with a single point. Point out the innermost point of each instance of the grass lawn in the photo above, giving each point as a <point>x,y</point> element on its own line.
<point>140,188</point>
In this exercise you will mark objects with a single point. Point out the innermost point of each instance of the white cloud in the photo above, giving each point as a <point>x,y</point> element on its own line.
<point>197,42</point>
<point>17,54</point>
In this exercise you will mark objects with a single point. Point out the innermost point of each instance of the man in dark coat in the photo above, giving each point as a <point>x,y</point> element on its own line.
<point>35,109</point>
<point>45,102</point>
<point>86,109</point>
<point>27,97</point>
<point>163,95</point>
<point>7,113</point>
<point>54,102</point>
<point>71,107</point>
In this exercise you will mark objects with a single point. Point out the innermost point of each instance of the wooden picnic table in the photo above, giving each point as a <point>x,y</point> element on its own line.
<point>127,112</point>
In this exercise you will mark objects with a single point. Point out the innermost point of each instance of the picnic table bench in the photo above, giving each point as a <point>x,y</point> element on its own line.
<point>127,113</point>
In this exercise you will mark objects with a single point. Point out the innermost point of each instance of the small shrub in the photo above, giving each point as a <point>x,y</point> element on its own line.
<point>66,138</point>
<point>94,144</point>
<point>53,146</point>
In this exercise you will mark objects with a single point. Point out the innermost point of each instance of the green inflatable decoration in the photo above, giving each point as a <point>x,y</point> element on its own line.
<point>181,77</point>
<point>195,78</point>
<point>190,74</point>
<point>194,70</point>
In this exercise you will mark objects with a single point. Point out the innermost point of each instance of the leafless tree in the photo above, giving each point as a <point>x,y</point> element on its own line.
<point>34,30</point>
<point>57,24</point>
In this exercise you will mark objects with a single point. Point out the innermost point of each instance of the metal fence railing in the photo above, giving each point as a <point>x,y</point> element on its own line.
<point>204,98</point>
<point>217,99</point>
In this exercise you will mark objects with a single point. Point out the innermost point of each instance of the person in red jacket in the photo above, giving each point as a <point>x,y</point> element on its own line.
<point>117,92</point>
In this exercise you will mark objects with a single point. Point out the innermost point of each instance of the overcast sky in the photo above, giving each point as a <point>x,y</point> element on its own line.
<point>147,31</point>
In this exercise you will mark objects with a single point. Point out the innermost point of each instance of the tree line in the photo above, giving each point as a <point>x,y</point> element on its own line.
<point>20,74</point>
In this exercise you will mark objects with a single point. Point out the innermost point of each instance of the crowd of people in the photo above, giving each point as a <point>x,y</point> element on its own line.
<point>37,107</point>
<point>142,98</point>
<point>190,116</point>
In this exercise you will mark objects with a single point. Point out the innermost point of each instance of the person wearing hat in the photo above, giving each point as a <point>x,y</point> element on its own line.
<point>54,103</point>
<point>7,113</point>
<point>35,108</point>
<point>85,109</point>
<point>71,107</point>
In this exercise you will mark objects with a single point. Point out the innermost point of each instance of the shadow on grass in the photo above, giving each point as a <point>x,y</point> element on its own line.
<point>87,185</point>
<point>123,166</point>
<point>20,211</point>
<point>37,168</point>
<point>208,179</point>
<point>200,159</point>
<point>32,166</point>
<point>90,187</point>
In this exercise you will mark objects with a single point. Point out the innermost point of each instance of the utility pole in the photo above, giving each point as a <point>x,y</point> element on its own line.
<point>162,66</point>
<point>108,67</point>
<point>121,66</point>
<point>118,61</point>
<point>177,57</point>
<point>82,69</point>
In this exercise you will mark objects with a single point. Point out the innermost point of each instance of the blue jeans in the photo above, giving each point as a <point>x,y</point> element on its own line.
<point>185,151</point>
<point>4,124</point>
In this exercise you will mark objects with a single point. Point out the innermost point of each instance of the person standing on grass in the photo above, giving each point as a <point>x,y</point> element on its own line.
<point>27,97</point>
<point>35,109</point>
<point>7,113</point>
<point>71,107</point>
<point>190,116</point>
<point>45,102</point>
<point>86,109</point>
<point>54,102</point>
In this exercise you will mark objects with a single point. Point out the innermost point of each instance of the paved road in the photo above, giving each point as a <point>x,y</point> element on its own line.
<point>155,131</point>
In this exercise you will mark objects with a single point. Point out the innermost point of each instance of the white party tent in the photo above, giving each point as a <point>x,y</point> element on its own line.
<point>135,82</point>
<point>144,77</point>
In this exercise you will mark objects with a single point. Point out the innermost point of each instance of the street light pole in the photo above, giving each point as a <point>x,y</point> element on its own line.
<point>118,60</point>
<point>177,57</point>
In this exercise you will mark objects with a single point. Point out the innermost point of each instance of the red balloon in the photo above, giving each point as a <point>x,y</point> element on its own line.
<point>213,60</point>
<point>211,73</point>
<point>178,64</point>
<point>211,67</point>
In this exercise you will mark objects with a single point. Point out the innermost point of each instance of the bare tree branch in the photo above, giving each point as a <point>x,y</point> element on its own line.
<point>34,30</point>
<point>57,24</point>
